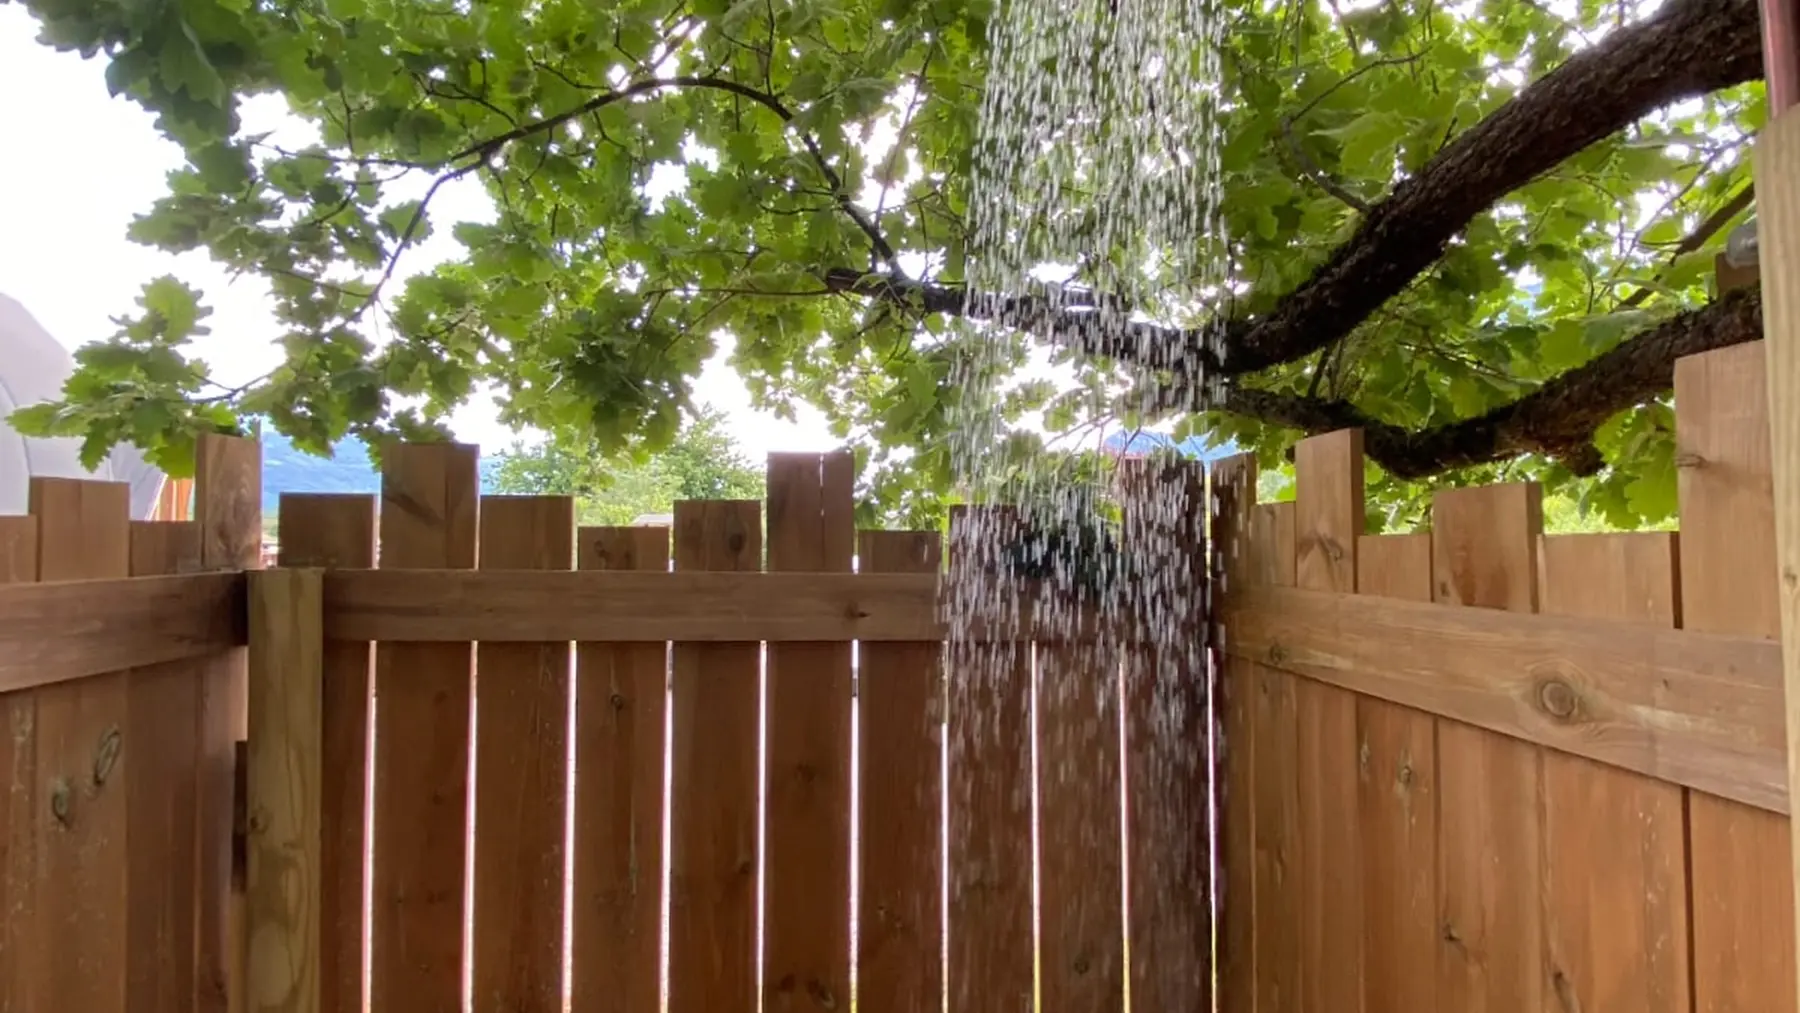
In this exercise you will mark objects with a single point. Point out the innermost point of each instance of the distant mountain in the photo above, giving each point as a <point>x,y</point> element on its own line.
<point>287,468</point>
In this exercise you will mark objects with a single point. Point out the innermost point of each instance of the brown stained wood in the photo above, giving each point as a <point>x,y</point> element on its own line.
<point>285,761</point>
<point>713,859</point>
<point>807,890</point>
<point>1279,942</point>
<point>1328,510</point>
<point>1490,861</point>
<point>1272,544</point>
<point>18,779</point>
<point>79,943</point>
<point>1615,915</point>
<point>1397,808</point>
<point>228,513</point>
<point>1167,731</point>
<point>1695,709</point>
<point>332,530</point>
<point>162,802</point>
<point>68,630</point>
<point>421,747</point>
<point>1233,483</point>
<point>621,702</point>
<point>989,728</point>
<point>521,776</point>
<point>900,692</point>
<point>1777,157</point>
<point>1081,924</point>
<point>1740,859</point>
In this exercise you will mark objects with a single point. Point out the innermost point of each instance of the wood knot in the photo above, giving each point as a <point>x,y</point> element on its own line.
<point>1081,965</point>
<point>822,996</point>
<point>1404,776</point>
<point>106,755</point>
<point>1558,699</point>
<point>60,801</point>
<point>1277,654</point>
<point>735,541</point>
<point>617,700</point>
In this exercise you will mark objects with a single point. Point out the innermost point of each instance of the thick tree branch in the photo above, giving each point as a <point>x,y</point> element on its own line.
<point>1691,47</point>
<point>1557,420</point>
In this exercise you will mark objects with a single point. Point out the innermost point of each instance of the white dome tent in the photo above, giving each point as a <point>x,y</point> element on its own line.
<point>33,368</point>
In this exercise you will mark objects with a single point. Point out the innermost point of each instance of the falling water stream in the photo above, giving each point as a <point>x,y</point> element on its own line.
<point>1095,210</point>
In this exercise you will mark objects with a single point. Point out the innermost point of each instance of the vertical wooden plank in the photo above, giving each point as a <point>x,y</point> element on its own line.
<point>900,692</point>
<point>1777,165</point>
<point>428,519</point>
<point>162,815</point>
<point>621,702</point>
<point>992,945</point>
<point>807,947</point>
<point>18,779</point>
<point>521,776</point>
<point>338,530</point>
<point>1081,924</point>
<point>1484,555</point>
<point>1740,862</point>
<point>1274,737</point>
<point>79,953</point>
<point>283,885</point>
<point>1328,521</point>
<point>1615,917</point>
<point>228,511</point>
<point>713,846</point>
<point>1234,488</point>
<point>1397,814</point>
<point>1167,746</point>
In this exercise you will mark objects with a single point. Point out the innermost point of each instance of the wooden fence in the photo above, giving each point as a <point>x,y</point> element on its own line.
<point>454,788</point>
<point>1482,768</point>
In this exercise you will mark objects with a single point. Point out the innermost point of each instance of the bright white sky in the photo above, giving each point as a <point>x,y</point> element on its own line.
<point>83,164</point>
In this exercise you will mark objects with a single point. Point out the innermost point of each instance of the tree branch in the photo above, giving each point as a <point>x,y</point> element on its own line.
<point>1691,47</point>
<point>1557,420</point>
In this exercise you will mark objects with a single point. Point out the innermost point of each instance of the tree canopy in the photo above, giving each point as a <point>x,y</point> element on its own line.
<point>1482,231</point>
<point>703,461</point>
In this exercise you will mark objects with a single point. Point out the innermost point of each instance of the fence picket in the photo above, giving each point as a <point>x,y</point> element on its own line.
<point>421,745</point>
<point>338,530</point>
<point>1233,486</point>
<point>18,779</point>
<point>1742,876</point>
<point>521,776</point>
<point>900,697</point>
<point>807,869</point>
<point>1276,801</point>
<point>621,701</point>
<point>714,857</point>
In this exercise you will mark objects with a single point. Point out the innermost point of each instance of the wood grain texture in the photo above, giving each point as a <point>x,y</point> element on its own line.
<point>1233,486</point>
<point>1397,808</point>
<point>161,801</point>
<point>283,780</point>
<point>228,513</point>
<point>1695,709</point>
<point>990,727</point>
<point>1081,924</point>
<point>717,699</point>
<point>18,781</point>
<point>333,530</point>
<point>79,944</point>
<point>807,868</point>
<point>421,747</point>
<point>1275,736</point>
<point>621,714</point>
<point>1741,876</point>
<point>1328,508</point>
<point>1490,810</point>
<point>1777,166</point>
<point>52,633</point>
<point>521,776</point>
<point>900,692</point>
<point>1615,916</point>
<point>1272,544</point>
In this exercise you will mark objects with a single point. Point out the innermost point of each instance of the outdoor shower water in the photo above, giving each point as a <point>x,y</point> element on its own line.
<point>1096,262</point>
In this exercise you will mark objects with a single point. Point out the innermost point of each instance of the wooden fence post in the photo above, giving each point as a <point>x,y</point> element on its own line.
<point>1777,168</point>
<point>285,747</point>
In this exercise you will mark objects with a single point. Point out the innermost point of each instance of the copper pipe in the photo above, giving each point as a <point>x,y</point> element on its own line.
<point>1781,58</point>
